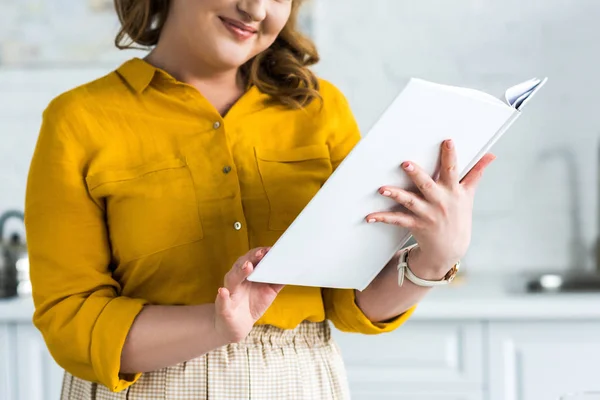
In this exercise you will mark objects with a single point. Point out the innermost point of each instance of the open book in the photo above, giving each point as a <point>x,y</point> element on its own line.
<point>330,244</point>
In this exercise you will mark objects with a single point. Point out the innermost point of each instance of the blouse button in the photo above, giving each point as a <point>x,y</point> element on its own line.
<point>226,169</point>
<point>237,226</point>
<point>216,125</point>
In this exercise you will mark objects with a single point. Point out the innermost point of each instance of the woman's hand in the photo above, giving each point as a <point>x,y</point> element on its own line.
<point>440,216</point>
<point>240,303</point>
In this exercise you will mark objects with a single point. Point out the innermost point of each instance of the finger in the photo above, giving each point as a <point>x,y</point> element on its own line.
<point>410,201</point>
<point>448,172</point>
<point>424,182</point>
<point>260,254</point>
<point>393,218</point>
<point>223,301</point>
<point>237,275</point>
<point>471,180</point>
<point>255,255</point>
<point>276,288</point>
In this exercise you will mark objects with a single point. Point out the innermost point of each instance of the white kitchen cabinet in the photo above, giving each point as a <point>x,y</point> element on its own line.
<point>7,357</point>
<point>391,395</point>
<point>471,342</point>
<point>38,376</point>
<point>542,360</point>
<point>418,357</point>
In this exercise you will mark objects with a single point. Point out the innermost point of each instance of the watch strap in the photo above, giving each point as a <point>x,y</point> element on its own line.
<point>404,271</point>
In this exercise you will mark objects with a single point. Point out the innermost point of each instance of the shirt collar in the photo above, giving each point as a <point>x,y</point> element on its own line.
<point>137,73</point>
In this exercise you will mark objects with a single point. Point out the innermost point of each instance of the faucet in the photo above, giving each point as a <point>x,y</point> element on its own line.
<point>578,251</point>
<point>597,255</point>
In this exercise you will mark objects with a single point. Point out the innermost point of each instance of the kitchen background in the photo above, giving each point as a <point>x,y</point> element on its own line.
<point>536,209</point>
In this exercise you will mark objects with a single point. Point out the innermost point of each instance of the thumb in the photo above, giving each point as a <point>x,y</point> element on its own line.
<point>223,302</point>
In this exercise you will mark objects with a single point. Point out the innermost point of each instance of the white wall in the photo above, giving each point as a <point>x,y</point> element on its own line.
<point>522,215</point>
<point>370,49</point>
<point>23,96</point>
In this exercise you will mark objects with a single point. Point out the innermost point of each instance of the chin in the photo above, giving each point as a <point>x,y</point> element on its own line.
<point>232,56</point>
<point>232,62</point>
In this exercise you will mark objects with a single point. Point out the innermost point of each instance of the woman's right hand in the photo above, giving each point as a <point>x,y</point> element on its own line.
<point>240,303</point>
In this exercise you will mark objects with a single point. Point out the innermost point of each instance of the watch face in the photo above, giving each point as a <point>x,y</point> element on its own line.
<point>452,273</point>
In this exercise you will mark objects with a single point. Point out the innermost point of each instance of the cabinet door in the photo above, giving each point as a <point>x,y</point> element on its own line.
<point>7,362</point>
<point>533,361</point>
<point>39,377</point>
<point>380,395</point>
<point>420,356</point>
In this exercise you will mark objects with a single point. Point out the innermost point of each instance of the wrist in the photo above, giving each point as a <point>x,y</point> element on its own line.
<point>225,331</point>
<point>426,267</point>
<point>217,338</point>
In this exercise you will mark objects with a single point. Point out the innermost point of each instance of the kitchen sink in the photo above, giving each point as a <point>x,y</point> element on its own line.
<point>562,282</point>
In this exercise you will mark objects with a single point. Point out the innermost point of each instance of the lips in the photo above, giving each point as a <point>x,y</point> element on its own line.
<point>238,29</point>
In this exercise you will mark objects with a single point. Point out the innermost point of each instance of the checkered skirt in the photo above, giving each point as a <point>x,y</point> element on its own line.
<point>303,363</point>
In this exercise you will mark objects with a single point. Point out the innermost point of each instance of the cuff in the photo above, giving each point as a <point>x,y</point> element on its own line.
<point>348,317</point>
<point>108,338</point>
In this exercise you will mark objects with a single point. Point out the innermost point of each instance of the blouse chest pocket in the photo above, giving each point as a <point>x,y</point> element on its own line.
<point>148,209</point>
<point>291,178</point>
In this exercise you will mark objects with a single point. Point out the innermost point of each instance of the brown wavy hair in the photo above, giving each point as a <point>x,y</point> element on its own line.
<point>281,71</point>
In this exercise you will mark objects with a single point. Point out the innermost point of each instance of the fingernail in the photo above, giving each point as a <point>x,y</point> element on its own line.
<point>219,291</point>
<point>449,144</point>
<point>386,193</point>
<point>244,265</point>
<point>371,220</point>
<point>408,166</point>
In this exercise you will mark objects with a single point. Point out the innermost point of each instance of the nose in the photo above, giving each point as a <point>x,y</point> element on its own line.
<point>255,10</point>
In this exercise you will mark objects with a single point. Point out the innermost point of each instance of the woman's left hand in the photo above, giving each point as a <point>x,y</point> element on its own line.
<point>440,217</point>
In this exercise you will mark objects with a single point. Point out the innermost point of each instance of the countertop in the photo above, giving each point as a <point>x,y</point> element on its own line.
<point>470,297</point>
<point>501,297</point>
<point>16,310</point>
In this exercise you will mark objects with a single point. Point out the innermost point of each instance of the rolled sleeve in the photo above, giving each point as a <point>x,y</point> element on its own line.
<point>341,309</point>
<point>78,304</point>
<point>108,338</point>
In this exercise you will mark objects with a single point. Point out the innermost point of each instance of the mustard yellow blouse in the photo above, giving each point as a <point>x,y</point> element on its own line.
<point>140,192</point>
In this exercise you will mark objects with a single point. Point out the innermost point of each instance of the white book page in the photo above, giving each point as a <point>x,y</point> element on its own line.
<point>514,96</point>
<point>468,92</point>
<point>517,95</point>
<point>330,244</point>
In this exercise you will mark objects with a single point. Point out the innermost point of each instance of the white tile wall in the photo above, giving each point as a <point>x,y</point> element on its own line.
<point>23,96</point>
<point>522,213</point>
<point>370,49</point>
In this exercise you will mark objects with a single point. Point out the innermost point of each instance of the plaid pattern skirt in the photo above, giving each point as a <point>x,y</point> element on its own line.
<point>303,363</point>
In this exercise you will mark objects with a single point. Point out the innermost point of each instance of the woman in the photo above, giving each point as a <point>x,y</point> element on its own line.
<point>155,190</point>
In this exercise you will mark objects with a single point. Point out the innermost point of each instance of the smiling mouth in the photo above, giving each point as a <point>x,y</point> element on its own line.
<point>240,30</point>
